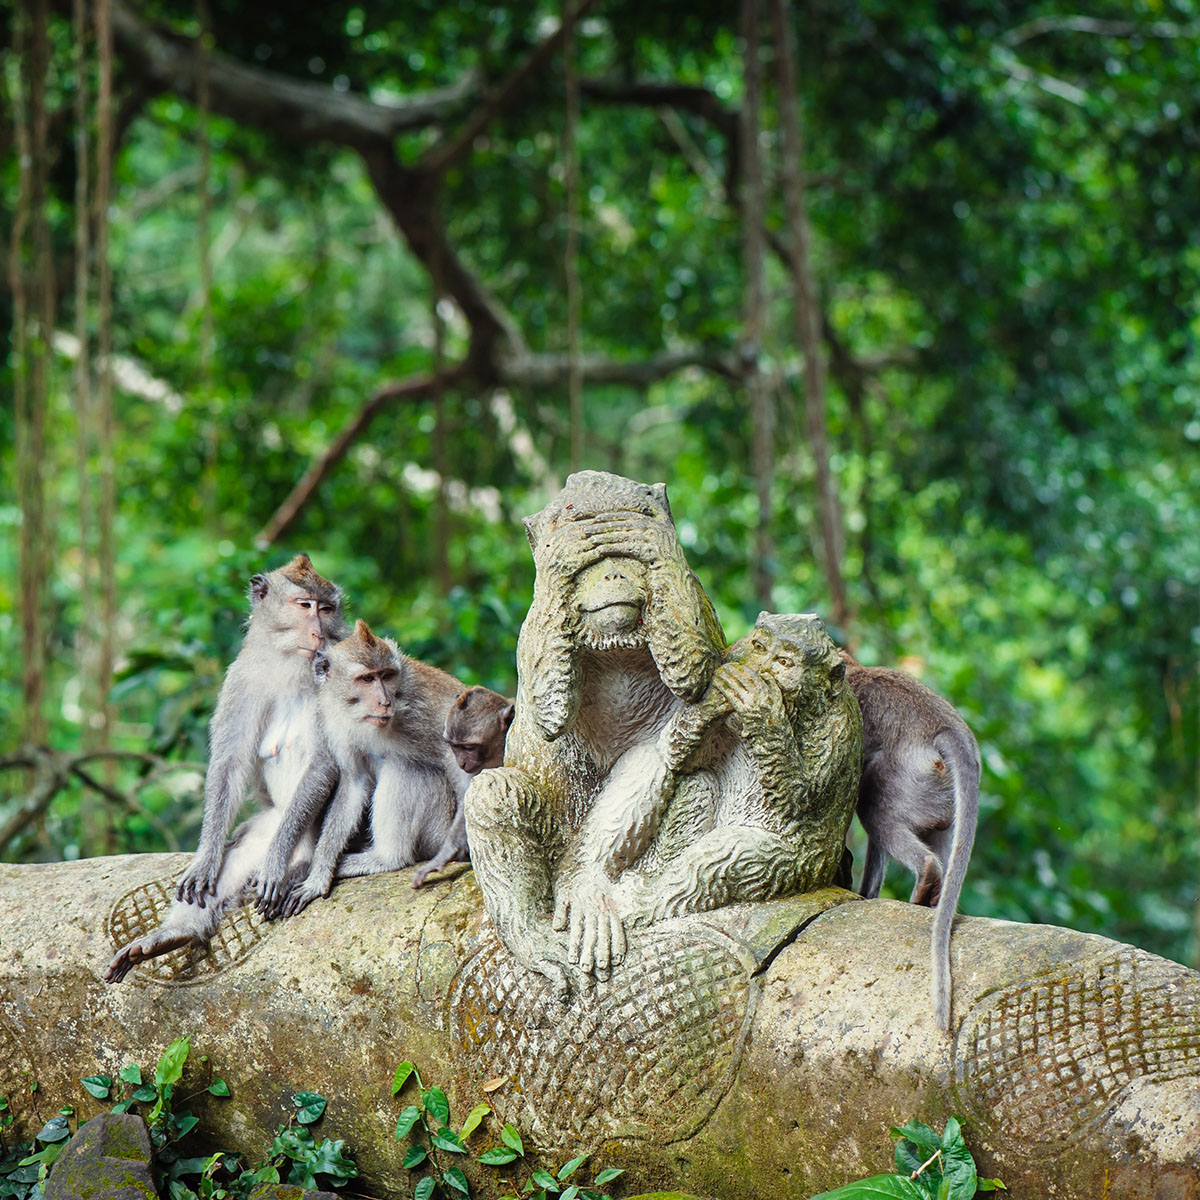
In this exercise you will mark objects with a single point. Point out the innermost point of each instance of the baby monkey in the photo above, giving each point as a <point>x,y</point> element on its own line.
<point>476,728</point>
<point>382,715</point>
<point>918,800</point>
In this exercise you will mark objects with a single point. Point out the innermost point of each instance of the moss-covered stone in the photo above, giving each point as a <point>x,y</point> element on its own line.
<point>759,1050</point>
<point>107,1159</point>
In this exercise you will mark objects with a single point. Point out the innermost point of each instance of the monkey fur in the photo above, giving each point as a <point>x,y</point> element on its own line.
<point>476,728</point>
<point>263,739</point>
<point>918,800</point>
<point>382,714</point>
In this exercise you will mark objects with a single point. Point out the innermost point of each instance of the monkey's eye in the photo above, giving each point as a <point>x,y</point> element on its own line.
<point>304,602</point>
<point>327,609</point>
<point>389,676</point>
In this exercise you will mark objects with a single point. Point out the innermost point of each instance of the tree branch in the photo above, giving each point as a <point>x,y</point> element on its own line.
<point>415,388</point>
<point>1101,28</point>
<point>442,157</point>
<point>544,370</point>
<point>292,108</point>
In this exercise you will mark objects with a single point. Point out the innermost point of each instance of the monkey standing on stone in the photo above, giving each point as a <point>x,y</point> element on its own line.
<point>476,728</point>
<point>382,715</point>
<point>262,738</point>
<point>918,800</point>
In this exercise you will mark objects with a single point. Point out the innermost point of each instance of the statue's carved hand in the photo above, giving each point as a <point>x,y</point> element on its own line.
<point>756,699</point>
<point>596,933</point>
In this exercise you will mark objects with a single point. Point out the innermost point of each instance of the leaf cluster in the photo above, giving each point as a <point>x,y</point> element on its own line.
<point>428,1126</point>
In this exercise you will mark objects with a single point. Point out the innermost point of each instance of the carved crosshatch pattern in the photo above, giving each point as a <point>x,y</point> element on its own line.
<point>144,908</point>
<point>649,1053</point>
<point>1045,1059</point>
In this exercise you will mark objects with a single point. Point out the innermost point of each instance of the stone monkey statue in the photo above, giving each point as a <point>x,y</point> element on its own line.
<point>382,716</point>
<point>918,800</point>
<point>628,796</point>
<point>618,634</point>
<point>262,739</point>
<point>476,728</point>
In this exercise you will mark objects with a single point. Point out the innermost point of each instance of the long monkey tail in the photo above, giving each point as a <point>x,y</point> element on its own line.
<point>958,750</point>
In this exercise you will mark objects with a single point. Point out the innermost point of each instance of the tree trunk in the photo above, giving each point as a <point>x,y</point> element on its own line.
<point>805,310</point>
<point>754,321</point>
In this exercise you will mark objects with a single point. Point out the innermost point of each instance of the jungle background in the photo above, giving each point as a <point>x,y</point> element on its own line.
<point>900,301</point>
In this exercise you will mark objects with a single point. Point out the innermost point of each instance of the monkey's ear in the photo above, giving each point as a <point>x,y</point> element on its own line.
<point>258,589</point>
<point>506,715</point>
<point>320,668</point>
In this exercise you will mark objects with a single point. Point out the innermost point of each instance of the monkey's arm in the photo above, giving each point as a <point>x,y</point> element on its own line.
<point>452,849</point>
<point>341,821</point>
<point>234,734</point>
<point>303,813</point>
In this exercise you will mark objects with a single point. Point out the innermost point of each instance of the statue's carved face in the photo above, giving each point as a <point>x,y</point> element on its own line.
<point>610,597</point>
<point>793,650</point>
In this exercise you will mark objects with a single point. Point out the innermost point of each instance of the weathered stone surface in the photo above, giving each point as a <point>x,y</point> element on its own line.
<point>289,1191</point>
<point>758,1050</point>
<point>107,1159</point>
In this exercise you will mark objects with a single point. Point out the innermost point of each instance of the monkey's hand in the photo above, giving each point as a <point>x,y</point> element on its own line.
<point>316,886</point>
<point>596,933</point>
<point>200,879</point>
<point>755,699</point>
<point>273,884</point>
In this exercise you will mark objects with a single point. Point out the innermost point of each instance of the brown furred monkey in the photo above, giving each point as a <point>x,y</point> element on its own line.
<point>918,799</point>
<point>476,727</point>
<point>262,738</point>
<point>382,716</point>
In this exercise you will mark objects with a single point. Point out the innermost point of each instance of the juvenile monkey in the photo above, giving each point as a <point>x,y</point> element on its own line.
<point>476,727</point>
<point>262,739</point>
<point>918,800</point>
<point>382,715</point>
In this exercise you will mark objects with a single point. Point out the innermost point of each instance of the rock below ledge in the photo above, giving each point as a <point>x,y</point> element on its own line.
<point>758,1050</point>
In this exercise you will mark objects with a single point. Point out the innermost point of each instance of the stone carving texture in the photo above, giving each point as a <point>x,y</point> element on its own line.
<point>143,909</point>
<point>648,773</point>
<point>1044,1060</point>
<point>648,1054</point>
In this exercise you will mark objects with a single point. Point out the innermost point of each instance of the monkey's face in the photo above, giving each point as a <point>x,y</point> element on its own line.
<point>299,618</point>
<point>359,680</point>
<point>610,599</point>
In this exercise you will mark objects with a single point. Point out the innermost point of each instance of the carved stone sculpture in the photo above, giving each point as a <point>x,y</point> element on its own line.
<point>651,774</point>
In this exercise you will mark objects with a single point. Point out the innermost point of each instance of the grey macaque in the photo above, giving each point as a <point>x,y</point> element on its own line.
<point>476,728</point>
<point>262,739</point>
<point>382,715</point>
<point>918,799</point>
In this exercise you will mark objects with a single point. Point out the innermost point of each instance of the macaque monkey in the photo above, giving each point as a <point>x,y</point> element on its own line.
<point>476,727</point>
<point>382,714</point>
<point>918,800</point>
<point>263,739</point>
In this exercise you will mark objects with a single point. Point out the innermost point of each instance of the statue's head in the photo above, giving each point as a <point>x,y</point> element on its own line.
<point>796,652</point>
<point>640,594</point>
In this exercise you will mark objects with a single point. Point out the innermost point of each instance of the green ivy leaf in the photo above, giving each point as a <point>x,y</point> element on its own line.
<point>497,1156</point>
<point>121,1106</point>
<point>454,1178</point>
<point>991,1185</point>
<point>545,1180</point>
<point>311,1107</point>
<point>403,1071</point>
<point>415,1157</point>
<point>98,1085</point>
<point>218,1087</point>
<point>170,1066</point>
<point>570,1193</point>
<point>437,1105</point>
<point>958,1167</point>
<point>474,1117</point>
<point>130,1074</point>
<point>145,1094</point>
<point>920,1135</point>
<point>424,1188</point>
<point>408,1118</point>
<point>54,1130</point>
<point>330,1160</point>
<point>447,1139</point>
<point>878,1187</point>
<point>510,1137</point>
<point>568,1169</point>
<point>608,1175</point>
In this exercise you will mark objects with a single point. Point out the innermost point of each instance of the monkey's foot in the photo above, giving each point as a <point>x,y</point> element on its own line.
<point>151,946</point>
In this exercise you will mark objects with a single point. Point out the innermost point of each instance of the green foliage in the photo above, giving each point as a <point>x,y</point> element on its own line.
<point>428,1125</point>
<point>931,1167</point>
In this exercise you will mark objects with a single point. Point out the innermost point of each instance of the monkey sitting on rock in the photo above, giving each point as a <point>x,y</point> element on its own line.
<point>263,738</point>
<point>918,799</point>
<point>382,714</point>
